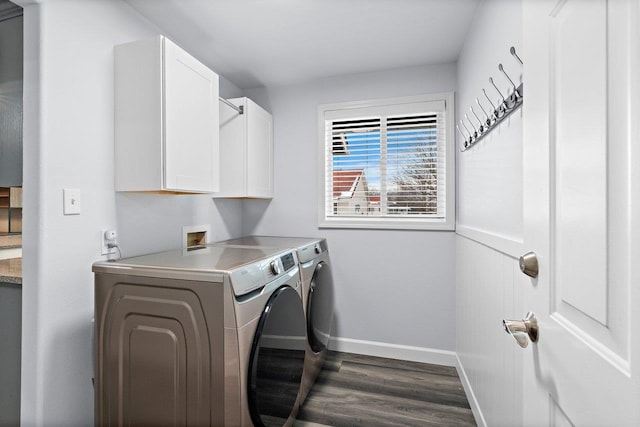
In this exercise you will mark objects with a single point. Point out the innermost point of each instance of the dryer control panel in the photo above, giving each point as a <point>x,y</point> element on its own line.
<point>288,261</point>
<point>280,265</point>
<point>312,250</point>
<point>255,276</point>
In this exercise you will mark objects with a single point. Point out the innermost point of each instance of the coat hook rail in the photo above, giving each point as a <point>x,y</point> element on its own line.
<point>494,114</point>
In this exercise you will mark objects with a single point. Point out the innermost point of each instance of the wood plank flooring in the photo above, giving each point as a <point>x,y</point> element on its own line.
<point>356,390</point>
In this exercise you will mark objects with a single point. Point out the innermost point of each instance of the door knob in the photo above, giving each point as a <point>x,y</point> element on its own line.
<point>523,330</point>
<point>529,264</point>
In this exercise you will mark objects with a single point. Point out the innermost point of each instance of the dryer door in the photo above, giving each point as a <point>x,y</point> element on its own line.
<point>320,308</point>
<point>277,359</point>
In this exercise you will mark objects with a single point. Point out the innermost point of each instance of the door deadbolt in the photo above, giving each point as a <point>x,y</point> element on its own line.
<point>529,264</point>
<point>523,330</point>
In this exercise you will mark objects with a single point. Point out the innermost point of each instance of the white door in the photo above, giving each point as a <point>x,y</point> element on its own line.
<point>582,211</point>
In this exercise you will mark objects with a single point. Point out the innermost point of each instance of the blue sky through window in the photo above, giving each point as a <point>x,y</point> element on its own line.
<point>364,153</point>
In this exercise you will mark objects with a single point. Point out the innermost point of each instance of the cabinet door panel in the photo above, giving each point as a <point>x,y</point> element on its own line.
<point>191,123</point>
<point>246,150</point>
<point>233,151</point>
<point>260,150</point>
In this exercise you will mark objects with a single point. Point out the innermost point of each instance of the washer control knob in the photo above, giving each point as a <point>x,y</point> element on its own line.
<point>275,268</point>
<point>317,248</point>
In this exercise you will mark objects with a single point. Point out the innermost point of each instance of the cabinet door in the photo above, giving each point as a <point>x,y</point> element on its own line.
<point>191,123</point>
<point>260,152</point>
<point>232,151</point>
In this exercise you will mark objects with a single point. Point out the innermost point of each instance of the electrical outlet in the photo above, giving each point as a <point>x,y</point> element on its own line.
<point>107,236</point>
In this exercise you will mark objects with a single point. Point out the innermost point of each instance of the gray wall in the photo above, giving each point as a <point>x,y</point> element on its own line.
<point>11,102</point>
<point>489,228</point>
<point>490,175</point>
<point>68,143</point>
<point>392,287</point>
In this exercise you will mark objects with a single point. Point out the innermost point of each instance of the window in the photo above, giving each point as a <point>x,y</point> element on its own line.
<point>387,163</point>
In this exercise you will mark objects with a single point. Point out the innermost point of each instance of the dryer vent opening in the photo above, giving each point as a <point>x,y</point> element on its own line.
<point>195,236</point>
<point>196,239</point>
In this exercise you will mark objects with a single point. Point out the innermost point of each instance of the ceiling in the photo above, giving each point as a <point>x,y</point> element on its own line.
<point>257,43</point>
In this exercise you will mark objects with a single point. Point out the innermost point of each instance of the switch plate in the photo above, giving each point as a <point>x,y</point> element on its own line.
<point>71,197</point>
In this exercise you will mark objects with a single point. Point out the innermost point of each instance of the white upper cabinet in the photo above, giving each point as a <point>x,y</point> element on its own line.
<point>166,119</point>
<point>246,151</point>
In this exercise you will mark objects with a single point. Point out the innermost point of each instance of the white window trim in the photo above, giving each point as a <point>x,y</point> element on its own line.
<point>448,223</point>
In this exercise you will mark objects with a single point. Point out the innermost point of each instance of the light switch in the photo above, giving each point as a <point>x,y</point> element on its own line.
<point>71,198</point>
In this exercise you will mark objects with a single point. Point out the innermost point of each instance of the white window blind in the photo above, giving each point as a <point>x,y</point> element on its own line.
<point>386,163</point>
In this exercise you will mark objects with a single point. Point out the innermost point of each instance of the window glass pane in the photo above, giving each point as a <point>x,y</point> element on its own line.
<point>385,167</point>
<point>412,160</point>
<point>356,169</point>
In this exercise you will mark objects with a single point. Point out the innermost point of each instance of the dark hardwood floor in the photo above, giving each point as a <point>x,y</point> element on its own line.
<point>356,390</point>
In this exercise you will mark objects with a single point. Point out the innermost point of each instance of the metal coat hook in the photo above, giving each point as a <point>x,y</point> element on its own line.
<point>462,133</point>
<point>501,68</point>
<point>485,113</point>
<point>498,113</point>
<point>471,135</point>
<point>515,55</point>
<point>495,115</point>
<point>464,138</point>
<point>475,131</point>
<point>478,118</point>
<point>496,88</point>
<point>503,105</point>
<point>514,94</point>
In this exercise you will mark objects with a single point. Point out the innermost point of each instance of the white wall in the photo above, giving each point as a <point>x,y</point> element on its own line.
<point>68,143</point>
<point>489,228</point>
<point>392,287</point>
<point>490,174</point>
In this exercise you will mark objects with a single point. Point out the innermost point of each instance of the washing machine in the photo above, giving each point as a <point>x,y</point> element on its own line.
<point>212,336</point>
<point>317,294</point>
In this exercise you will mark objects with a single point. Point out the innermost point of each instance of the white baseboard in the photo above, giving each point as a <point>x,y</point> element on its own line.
<point>471,397</point>
<point>394,351</point>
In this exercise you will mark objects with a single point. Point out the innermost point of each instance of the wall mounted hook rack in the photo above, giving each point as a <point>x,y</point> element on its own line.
<point>495,114</point>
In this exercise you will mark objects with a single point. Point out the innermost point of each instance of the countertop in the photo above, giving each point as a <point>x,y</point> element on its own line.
<point>11,241</point>
<point>11,271</point>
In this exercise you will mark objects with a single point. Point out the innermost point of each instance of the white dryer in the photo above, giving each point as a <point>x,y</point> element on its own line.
<point>213,336</point>
<point>317,294</point>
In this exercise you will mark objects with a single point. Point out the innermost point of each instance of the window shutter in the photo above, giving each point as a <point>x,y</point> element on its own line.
<point>416,165</point>
<point>352,163</point>
<point>386,165</point>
